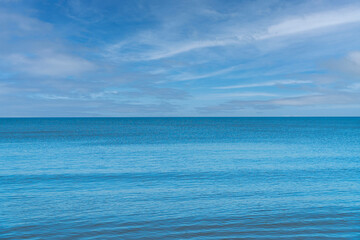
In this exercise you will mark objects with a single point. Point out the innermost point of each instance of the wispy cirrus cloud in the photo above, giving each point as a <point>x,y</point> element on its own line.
<point>235,35</point>
<point>123,51</point>
<point>134,57</point>
<point>32,47</point>
<point>236,95</point>
<point>188,76</point>
<point>311,22</point>
<point>341,90</point>
<point>266,84</point>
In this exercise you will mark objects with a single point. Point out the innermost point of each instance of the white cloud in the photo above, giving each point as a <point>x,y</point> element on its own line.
<point>157,47</point>
<point>245,94</point>
<point>5,89</point>
<point>235,95</point>
<point>186,77</point>
<point>53,97</point>
<point>265,84</point>
<point>119,51</point>
<point>53,65</point>
<point>32,46</point>
<point>174,50</point>
<point>355,58</point>
<point>312,22</point>
<point>355,87</point>
<point>348,67</point>
<point>14,23</point>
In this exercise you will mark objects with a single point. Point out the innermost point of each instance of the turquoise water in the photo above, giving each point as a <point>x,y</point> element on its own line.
<point>180,178</point>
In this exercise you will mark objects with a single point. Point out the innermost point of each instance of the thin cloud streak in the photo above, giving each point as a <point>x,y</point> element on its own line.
<point>312,22</point>
<point>134,57</point>
<point>284,28</point>
<point>265,84</point>
<point>116,51</point>
<point>217,96</point>
<point>186,77</point>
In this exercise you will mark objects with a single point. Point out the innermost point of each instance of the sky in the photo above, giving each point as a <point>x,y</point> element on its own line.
<point>142,58</point>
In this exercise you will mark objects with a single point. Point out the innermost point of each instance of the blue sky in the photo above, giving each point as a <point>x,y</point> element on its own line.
<point>179,58</point>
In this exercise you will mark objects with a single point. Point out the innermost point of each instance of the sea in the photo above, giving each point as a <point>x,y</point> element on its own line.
<point>180,178</point>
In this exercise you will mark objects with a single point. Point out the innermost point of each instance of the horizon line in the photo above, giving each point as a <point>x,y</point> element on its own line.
<point>188,117</point>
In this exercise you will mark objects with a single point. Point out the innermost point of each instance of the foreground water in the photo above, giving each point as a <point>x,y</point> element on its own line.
<point>180,178</point>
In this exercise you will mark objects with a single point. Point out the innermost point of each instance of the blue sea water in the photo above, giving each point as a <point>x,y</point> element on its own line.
<point>180,178</point>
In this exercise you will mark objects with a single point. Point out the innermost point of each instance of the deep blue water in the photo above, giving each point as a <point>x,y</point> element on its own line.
<point>180,178</point>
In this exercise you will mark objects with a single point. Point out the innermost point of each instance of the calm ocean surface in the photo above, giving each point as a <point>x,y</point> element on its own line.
<point>180,178</point>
